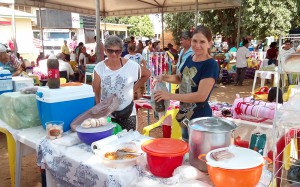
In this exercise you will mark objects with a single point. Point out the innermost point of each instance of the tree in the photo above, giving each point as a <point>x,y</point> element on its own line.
<point>141,25</point>
<point>179,22</point>
<point>267,18</point>
<point>258,18</point>
<point>223,22</point>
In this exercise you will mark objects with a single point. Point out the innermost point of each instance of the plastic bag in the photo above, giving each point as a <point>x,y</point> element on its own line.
<point>102,109</point>
<point>19,110</point>
<point>162,105</point>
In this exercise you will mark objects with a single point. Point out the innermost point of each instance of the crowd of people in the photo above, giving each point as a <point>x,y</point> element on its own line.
<point>122,70</point>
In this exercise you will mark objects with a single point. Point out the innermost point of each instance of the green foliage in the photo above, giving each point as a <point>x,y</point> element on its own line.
<point>179,22</point>
<point>224,22</point>
<point>268,17</point>
<point>259,18</point>
<point>141,25</point>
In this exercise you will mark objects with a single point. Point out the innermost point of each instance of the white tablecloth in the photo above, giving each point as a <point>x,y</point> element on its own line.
<point>78,166</point>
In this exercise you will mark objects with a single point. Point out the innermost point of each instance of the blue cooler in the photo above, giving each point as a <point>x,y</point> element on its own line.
<point>6,84</point>
<point>64,104</point>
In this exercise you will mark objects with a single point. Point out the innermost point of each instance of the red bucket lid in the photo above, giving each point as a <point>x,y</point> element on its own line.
<point>165,147</point>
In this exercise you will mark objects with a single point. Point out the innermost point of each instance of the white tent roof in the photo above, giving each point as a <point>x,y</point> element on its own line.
<point>130,7</point>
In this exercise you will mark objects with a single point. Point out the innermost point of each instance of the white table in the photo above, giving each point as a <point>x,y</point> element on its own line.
<point>27,141</point>
<point>266,124</point>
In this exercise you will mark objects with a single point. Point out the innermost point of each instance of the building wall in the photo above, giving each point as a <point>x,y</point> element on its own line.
<point>24,35</point>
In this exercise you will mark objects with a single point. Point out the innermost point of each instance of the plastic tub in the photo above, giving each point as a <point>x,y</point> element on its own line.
<point>91,135</point>
<point>164,155</point>
<point>244,169</point>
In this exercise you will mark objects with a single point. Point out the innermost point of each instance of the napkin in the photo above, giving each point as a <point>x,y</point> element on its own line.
<point>67,140</point>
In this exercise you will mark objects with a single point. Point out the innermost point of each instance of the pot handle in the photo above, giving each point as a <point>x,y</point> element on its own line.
<point>200,157</point>
<point>185,121</point>
<point>268,161</point>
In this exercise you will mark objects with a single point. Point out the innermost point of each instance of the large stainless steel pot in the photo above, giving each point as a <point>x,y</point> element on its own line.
<point>206,134</point>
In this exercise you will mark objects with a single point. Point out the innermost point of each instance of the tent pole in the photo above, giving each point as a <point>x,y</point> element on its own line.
<point>162,27</point>
<point>196,14</point>
<point>239,28</point>
<point>41,29</point>
<point>98,29</point>
<point>14,28</point>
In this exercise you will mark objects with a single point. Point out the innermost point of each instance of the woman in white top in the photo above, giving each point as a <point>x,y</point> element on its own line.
<point>137,57</point>
<point>119,76</point>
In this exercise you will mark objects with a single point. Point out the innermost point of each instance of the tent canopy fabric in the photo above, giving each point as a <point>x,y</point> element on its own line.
<point>130,7</point>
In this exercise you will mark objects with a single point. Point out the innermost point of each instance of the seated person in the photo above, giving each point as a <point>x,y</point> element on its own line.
<point>9,61</point>
<point>65,66</point>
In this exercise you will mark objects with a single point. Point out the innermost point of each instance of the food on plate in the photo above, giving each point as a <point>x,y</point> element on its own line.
<point>123,156</point>
<point>92,123</point>
<point>128,156</point>
<point>111,155</point>
<point>222,155</point>
<point>54,131</point>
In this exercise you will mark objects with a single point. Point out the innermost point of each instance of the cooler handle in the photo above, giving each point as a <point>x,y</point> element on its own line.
<point>39,94</point>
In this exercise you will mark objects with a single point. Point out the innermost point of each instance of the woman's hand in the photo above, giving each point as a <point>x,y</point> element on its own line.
<point>157,79</point>
<point>162,95</point>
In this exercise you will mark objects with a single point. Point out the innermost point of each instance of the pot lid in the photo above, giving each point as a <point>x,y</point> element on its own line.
<point>212,124</point>
<point>244,158</point>
<point>96,129</point>
<point>165,147</point>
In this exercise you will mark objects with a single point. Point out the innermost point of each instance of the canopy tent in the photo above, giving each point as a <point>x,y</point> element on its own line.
<point>130,7</point>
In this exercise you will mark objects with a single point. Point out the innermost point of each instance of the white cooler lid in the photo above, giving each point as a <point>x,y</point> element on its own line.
<point>66,93</point>
<point>22,79</point>
<point>244,158</point>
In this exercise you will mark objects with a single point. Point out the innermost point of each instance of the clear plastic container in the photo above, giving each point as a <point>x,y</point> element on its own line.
<point>54,129</point>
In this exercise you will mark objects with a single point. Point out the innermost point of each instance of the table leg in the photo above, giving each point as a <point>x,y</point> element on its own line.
<point>262,82</point>
<point>11,149</point>
<point>50,180</point>
<point>254,82</point>
<point>148,116</point>
<point>19,153</point>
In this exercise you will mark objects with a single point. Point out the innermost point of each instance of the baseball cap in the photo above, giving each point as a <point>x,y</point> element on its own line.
<point>3,48</point>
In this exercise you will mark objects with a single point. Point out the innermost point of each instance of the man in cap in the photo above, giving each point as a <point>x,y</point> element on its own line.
<point>9,61</point>
<point>186,51</point>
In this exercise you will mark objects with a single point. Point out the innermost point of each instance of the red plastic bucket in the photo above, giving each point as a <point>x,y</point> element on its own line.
<point>164,155</point>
